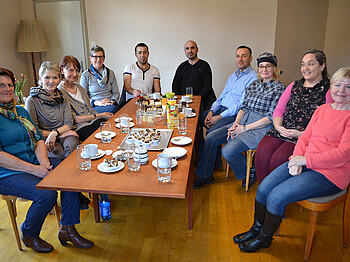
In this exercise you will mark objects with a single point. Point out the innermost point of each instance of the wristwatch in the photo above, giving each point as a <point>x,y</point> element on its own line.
<point>244,128</point>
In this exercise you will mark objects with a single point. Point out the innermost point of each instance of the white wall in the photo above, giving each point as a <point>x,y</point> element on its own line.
<point>10,15</point>
<point>337,43</point>
<point>217,26</point>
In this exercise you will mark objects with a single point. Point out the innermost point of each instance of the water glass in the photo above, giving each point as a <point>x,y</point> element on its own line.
<point>124,123</point>
<point>189,91</point>
<point>150,115</point>
<point>134,164</point>
<point>105,130</point>
<point>182,124</point>
<point>84,157</point>
<point>139,117</point>
<point>164,167</point>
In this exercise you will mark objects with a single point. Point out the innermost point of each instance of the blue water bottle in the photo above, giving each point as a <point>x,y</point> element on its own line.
<point>105,207</point>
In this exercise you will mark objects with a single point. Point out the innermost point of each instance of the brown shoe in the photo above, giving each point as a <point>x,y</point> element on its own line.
<point>69,233</point>
<point>37,244</point>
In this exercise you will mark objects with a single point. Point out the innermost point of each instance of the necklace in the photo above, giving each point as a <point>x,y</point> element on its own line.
<point>72,90</point>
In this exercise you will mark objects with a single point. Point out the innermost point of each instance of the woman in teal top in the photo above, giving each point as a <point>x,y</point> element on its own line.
<point>23,163</point>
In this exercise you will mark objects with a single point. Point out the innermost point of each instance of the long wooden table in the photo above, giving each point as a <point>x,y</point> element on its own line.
<point>68,177</point>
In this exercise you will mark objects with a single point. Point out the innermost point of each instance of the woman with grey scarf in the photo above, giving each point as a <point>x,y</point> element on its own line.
<point>51,113</point>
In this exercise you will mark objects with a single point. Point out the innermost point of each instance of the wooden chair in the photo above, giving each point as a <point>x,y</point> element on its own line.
<point>11,205</point>
<point>322,204</point>
<point>250,156</point>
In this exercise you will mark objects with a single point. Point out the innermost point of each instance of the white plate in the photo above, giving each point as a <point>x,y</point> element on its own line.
<point>98,135</point>
<point>173,163</point>
<point>102,167</point>
<point>117,120</point>
<point>132,124</point>
<point>192,115</point>
<point>176,152</point>
<point>181,140</point>
<point>188,102</point>
<point>100,153</point>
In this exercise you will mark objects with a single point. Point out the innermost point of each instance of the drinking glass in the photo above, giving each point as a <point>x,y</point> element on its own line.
<point>134,163</point>
<point>182,124</point>
<point>139,117</point>
<point>164,167</point>
<point>189,91</point>
<point>124,123</point>
<point>84,157</point>
<point>150,115</point>
<point>105,130</point>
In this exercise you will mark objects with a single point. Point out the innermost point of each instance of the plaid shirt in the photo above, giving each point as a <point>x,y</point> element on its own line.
<point>262,97</point>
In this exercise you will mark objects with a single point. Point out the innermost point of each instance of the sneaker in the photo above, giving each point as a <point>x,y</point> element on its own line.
<point>199,182</point>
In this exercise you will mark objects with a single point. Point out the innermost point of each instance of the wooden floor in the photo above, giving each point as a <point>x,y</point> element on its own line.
<point>151,229</point>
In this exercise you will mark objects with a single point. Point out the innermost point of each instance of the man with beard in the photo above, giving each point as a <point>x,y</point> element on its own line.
<point>195,73</point>
<point>141,78</point>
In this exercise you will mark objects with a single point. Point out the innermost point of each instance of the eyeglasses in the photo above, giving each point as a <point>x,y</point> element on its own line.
<point>98,56</point>
<point>2,85</point>
<point>268,67</point>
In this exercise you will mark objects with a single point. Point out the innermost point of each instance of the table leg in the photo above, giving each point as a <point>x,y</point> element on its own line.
<point>96,207</point>
<point>190,197</point>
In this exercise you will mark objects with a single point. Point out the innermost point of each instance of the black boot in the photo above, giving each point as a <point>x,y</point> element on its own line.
<point>259,216</point>
<point>265,236</point>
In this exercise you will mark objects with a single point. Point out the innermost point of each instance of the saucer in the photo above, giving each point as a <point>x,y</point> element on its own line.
<point>181,140</point>
<point>173,163</point>
<point>132,124</point>
<point>102,167</point>
<point>117,120</point>
<point>192,115</point>
<point>176,152</point>
<point>98,135</point>
<point>100,154</point>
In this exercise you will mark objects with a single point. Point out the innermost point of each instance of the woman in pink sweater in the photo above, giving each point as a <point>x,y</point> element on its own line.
<point>319,166</point>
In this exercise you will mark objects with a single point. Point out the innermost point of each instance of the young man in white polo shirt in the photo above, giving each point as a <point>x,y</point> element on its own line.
<point>141,78</point>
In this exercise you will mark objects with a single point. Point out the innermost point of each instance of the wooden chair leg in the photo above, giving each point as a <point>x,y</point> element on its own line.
<point>310,234</point>
<point>346,223</point>
<point>12,211</point>
<point>57,213</point>
<point>249,165</point>
<point>227,170</point>
<point>301,208</point>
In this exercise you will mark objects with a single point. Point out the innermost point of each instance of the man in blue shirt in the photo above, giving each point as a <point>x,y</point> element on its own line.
<point>225,108</point>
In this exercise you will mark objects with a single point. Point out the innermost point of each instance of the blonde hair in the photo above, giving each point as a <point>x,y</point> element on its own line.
<point>276,73</point>
<point>48,66</point>
<point>340,74</point>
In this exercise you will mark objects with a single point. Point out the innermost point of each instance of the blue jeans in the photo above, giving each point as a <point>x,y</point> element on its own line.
<point>110,109</point>
<point>24,186</point>
<point>213,141</point>
<point>279,188</point>
<point>232,152</point>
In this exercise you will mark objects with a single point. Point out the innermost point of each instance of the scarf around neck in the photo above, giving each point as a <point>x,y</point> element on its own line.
<point>9,111</point>
<point>45,97</point>
<point>102,79</point>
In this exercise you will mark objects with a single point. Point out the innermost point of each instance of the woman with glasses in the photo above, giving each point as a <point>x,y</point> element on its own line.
<point>293,113</point>
<point>253,120</point>
<point>86,119</point>
<point>100,83</point>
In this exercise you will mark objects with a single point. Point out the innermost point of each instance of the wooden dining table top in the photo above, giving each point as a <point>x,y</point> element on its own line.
<point>67,176</point>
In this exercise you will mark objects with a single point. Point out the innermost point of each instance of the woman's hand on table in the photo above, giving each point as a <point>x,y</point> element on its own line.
<point>297,161</point>
<point>104,115</point>
<point>51,140</point>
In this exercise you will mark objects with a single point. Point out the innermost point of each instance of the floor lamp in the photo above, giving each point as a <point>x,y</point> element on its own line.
<point>31,39</point>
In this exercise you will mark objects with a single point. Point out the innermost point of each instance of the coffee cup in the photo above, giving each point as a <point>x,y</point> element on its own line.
<point>93,148</point>
<point>188,111</point>
<point>186,98</point>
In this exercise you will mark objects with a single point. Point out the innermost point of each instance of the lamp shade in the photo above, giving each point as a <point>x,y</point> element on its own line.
<point>31,36</point>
